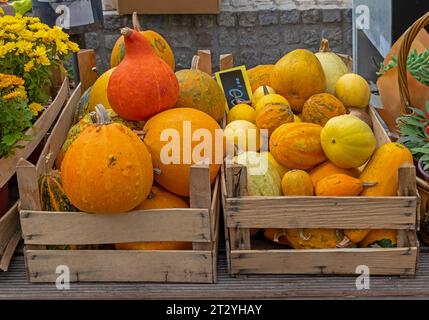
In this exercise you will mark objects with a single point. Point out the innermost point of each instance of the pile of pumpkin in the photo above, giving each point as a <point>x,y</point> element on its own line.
<point>320,142</point>
<point>111,160</point>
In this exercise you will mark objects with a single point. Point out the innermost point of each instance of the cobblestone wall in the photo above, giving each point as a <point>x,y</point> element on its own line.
<point>256,32</point>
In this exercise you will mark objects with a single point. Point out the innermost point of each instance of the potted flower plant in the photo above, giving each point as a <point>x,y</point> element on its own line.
<point>414,134</point>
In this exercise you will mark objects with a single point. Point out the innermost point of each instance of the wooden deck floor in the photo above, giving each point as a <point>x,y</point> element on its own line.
<point>14,285</point>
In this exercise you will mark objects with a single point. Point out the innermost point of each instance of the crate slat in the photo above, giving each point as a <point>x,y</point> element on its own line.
<point>121,265</point>
<point>322,212</point>
<point>392,261</point>
<point>48,228</point>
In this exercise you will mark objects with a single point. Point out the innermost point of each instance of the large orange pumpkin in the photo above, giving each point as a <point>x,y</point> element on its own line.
<point>322,107</point>
<point>297,76</point>
<point>107,169</point>
<point>175,176</point>
<point>158,199</point>
<point>260,76</point>
<point>160,46</point>
<point>142,84</point>
<point>297,145</point>
<point>200,91</point>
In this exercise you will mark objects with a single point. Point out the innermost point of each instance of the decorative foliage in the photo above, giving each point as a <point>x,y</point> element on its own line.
<point>413,129</point>
<point>417,65</point>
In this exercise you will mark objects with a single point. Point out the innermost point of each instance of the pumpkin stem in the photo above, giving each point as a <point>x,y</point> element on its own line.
<point>140,133</point>
<point>345,243</point>
<point>101,115</point>
<point>151,195</point>
<point>266,92</point>
<point>195,62</point>
<point>136,23</point>
<point>303,236</point>
<point>369,184</point>
<point>324,46</point>
<point>126,32</point>
<point>157,171</point>
<point>278,235</point>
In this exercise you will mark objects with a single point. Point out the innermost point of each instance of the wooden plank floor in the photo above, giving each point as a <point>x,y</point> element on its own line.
<point>14,285</point>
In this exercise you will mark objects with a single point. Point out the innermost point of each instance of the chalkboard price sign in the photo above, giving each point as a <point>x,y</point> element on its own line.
<point>235,85</point>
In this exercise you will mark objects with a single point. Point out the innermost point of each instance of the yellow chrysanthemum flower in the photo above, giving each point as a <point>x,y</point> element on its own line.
<point>9,80</point>
<point>43,60</point>
<point>1,11</point>
<point>29,66</point>
<point>17,94</point>
<point>24,46</point>
<point>35,108</point>
<point>73,46</point>
<point>40,51</point>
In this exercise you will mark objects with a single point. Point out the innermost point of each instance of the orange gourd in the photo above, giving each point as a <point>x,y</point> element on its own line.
<point>297,145</point>
<point>297,76</point>
<point>260,76</point>
<point>175,176</point>
<point>107,169</point>
<point>158,199</point>
<point>356,235</point>
<point>160,46</point>
<point>327,169</point>
<point>273,115</point>
<point>297,183</point>
<point>322,107</point>
<point>380,238</point>
<point>142,85</point>
<point>340,185</point>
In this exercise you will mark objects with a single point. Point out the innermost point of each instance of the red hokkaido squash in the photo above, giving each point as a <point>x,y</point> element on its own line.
<point>142,85</point>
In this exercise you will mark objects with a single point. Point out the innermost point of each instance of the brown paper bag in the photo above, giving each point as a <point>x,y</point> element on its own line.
<point>388,84</point>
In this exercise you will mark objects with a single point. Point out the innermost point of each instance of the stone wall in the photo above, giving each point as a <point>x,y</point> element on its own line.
<point>256,32</point>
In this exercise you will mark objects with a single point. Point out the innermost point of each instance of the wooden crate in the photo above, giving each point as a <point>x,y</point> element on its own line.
<point>10,233</point>
<point>199,224</point>
<point>246,256</point>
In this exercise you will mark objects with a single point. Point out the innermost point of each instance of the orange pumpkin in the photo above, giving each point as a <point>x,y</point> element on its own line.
<point>158,199</point>
<point>297,183</point>
<point>356,235</point>
<point>200,91</point>
<point>142,85</point>
<point>175,176</point>
<point>107,169</point>
<point>260,76</point>
<point>273,115</point>
<point>339,185</point>
<point>322,107</point>
<point>297,145</point>
<point>160,46</point>
<point>314,238</point>
<point>327,169</point>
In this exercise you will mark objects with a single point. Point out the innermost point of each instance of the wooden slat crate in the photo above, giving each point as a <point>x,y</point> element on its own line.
<point>10,233</point>
<point>248,256</point>
<point>199,224</point>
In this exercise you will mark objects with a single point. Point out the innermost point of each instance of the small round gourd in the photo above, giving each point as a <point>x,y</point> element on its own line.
<point>297,145</point>
<point>327,169</point>
<point>340,185</point>
<point>273,116</point>
<point>52,195</point>
<point>314,238</point>
<point>322,107</point>
<point>297,183</point>
<point>260,76</point>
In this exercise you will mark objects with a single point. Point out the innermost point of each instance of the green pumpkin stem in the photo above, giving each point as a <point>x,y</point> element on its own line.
<point>279,235</point>
<point>102,117</point>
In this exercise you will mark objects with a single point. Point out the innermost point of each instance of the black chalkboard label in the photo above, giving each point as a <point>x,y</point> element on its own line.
<point>235,85</point>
